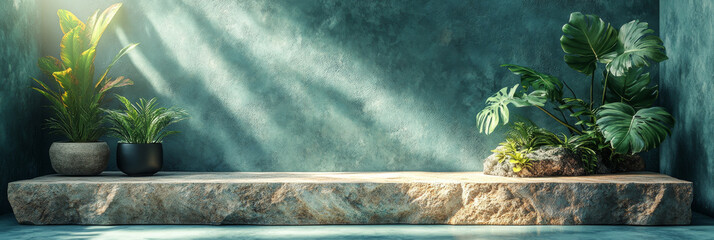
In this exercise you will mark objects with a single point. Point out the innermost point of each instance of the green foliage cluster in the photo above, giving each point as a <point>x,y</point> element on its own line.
<point>624,121</point>
<point>524,137</point>
<point>143,122</point>
<point>521,139</point>
<point>583,146</point>
<point>77,102</point>
<point>509,150</point>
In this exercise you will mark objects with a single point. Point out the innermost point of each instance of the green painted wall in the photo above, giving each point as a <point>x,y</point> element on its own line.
<point>21,141</point>
<point>334,85</point>
<point>686,90</point>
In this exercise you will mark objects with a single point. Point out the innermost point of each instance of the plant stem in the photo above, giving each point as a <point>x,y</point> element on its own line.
<point>571,90</point>
<point>564,118</point>
<point>573,112</point>
<point>559,121</point>
<point>592,85</point>
<point>604,88</point>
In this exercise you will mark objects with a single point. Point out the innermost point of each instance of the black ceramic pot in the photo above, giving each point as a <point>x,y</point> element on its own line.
<point>140,159</point>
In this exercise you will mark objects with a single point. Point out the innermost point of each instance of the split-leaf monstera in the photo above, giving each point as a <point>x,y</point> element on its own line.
<point>497,110</point>
<point>630,130</point>
<point>532,79</point>
<point>636,46</point>
<point>76,103</point>
<point>624,121</point>
<point>587,39</point>
<point>632,88</point>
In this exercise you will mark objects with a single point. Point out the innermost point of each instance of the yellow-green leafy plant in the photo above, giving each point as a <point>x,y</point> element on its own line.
<point>77,101</point>
<point>503,151</point>
<point>519,160</point>
<point>522,138</point>
<point>509,150</point>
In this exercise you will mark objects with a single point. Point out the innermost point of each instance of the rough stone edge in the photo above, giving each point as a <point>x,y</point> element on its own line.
<point>685,193</point>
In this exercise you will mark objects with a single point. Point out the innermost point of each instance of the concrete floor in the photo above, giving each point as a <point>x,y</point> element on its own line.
<point>702,228</point>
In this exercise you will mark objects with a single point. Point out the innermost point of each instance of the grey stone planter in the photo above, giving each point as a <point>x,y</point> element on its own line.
<point>79,158</point>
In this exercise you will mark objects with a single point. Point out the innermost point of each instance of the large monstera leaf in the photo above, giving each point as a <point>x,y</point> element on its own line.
<point>632,88</point>
<point>632,131</point>
<point>586,40</point>
<point>497,110</point>
<point>535,98</point>
<point>637,46</point>
<point>538,81</point>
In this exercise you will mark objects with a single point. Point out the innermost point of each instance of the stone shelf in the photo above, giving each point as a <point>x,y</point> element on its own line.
<point>304,198</point>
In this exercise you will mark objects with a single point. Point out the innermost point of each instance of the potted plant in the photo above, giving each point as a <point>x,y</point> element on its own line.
<point>606,130</point>
<point>141,129</point>
<point>77,101</point>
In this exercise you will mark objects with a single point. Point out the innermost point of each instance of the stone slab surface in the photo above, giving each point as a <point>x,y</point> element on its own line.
<point>305,198</point>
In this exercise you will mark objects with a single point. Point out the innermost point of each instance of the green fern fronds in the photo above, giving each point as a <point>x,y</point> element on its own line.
<point>143,122</point>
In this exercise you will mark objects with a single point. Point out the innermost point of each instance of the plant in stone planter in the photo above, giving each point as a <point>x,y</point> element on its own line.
<point>77,101</point>
<point>622,121</point>
<point>141,128</point>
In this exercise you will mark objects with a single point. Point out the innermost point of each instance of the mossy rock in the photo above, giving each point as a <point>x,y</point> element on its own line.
<point>555,161</point>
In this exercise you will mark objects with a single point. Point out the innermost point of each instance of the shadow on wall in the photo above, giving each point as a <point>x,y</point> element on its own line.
<point>333,85</point>
<point>21,140</point>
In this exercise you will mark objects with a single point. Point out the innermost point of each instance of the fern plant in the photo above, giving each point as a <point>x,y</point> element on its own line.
<point>76,104</point>
<point>583,146</point>
<point>522,138</point>
<point>510,150</point>
<point>143,122</point>
<point>526,135</point>
<point>624,121</point>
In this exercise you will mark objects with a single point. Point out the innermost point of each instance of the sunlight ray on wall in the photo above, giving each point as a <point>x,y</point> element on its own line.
<point>281,47</point>
<point>159,83</point>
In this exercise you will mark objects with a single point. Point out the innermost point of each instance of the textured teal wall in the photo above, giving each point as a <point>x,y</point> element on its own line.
<point>686,89</point>
<point>21,144</point>
<point>334,85</point>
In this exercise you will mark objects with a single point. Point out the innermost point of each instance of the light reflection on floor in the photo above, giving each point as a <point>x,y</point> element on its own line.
<point>702,228</point>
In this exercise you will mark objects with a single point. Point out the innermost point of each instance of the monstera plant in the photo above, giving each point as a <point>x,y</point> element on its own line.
<point>622,121</point>
<point>76,102</point>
